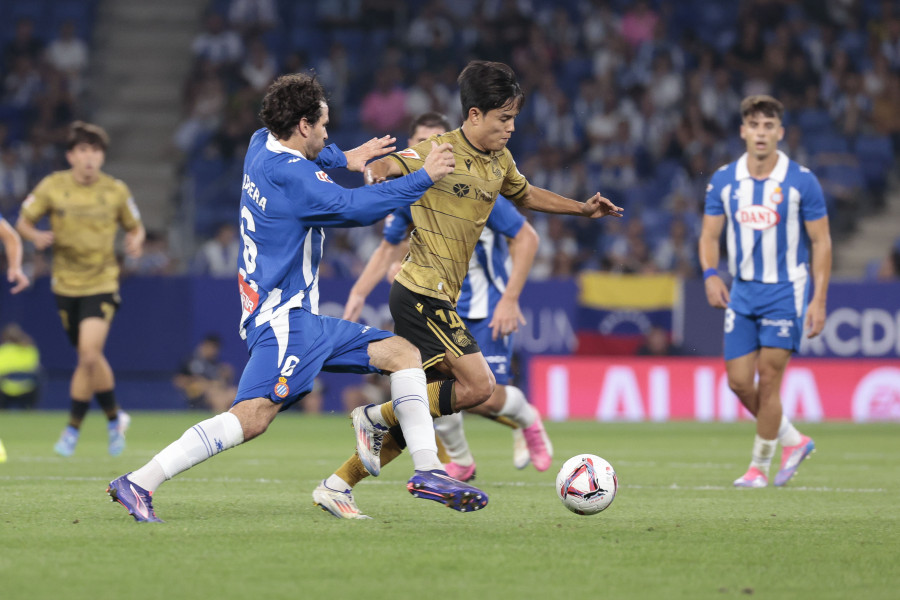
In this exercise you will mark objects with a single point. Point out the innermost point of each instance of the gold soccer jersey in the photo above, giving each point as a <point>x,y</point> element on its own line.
<point>84,220</point>
<point>449,217</point>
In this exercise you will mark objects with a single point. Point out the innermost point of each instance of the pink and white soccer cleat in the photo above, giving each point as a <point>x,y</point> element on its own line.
<point>753,478</point>
<point>791,457</point>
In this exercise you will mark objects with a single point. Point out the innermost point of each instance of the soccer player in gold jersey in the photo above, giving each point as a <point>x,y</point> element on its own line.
<point>448,221</point>
<point>86,207</point>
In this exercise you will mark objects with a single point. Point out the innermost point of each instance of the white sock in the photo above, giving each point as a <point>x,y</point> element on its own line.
<point>336,483</point>
<point>763,451</point>
<point>788,434</point>
<point>517,408</point>
<point>449,429</point>
<point>202,441</point>
<point>409,397</point>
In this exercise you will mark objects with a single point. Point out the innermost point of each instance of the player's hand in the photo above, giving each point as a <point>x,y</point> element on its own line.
<point>440,162</point>
<point>815,319</point>
<point>371,179</point>
<point>359,156</point>
<point>716,292</point>
<point>506,319</point>
<point>18,278</point>
<point>42,239</point>
<point>134,242</point>
<point>353,307</point>
<point>598,206</point>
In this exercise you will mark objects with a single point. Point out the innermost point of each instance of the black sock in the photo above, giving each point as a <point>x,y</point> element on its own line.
<point>77,411</point>
<point>107,401</point>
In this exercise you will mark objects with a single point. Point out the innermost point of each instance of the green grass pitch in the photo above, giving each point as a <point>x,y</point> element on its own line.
<point>243,525</point>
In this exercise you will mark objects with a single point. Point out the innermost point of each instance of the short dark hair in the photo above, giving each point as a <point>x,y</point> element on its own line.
<point>429,119</point>
<point>86,133</point>
<point>289,99</point>
<point>487,86</point>
<point>761,103</point>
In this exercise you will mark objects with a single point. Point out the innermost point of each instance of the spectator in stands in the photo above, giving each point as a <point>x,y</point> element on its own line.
<point>22,83</point>
<point>259,67</point>
<point>69,55</point>
<point>638,24</point>
<point>155,260</point>
<point>383,109</point>
<point>24,44</point>
<point>205,101</point>
<point>677,253</point>
<point>252,17</point>
<point>334,72</point>
<point>20,369</point>
<point>889,268</point>
<point>13,179</point>
<point>218,44</point>
<point>658,342</point>
<point>205,379</point>
<point>218,257</point>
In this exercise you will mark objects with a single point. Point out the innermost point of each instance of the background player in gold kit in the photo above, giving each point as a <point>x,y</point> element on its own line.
<point>449,219</point>
<point>85,208</point>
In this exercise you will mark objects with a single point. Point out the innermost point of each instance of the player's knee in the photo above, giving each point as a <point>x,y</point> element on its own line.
<point>476,392</point>
<point>741,387</point>
<point>89,359</point>
<point>404,356</point>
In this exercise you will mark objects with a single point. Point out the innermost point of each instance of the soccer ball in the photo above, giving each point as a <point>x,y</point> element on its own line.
<point>586,484</point>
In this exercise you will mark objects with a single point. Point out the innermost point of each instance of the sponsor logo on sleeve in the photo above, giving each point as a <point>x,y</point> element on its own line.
<point>409,153</point>
<point>323,176</point>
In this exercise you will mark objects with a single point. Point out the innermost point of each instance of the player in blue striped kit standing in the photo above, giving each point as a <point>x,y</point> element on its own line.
<point>287,200</point>
<point>779,250</point>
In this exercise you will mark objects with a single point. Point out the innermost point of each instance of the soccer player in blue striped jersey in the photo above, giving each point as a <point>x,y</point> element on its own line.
<point>779,250</point>
<point>287,200</point>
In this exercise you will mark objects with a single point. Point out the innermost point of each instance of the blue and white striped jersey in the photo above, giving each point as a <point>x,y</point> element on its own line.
<point>765,234</point>
<point>489,264</point>
<point>286,202</point>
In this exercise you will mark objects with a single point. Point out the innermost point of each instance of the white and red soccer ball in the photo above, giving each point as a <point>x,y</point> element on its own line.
<point>586,484</point>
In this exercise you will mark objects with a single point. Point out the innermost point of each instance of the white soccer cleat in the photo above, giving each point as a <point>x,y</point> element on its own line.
<point>521,457</point>
<point>337,503</point>
<point>369,436</point>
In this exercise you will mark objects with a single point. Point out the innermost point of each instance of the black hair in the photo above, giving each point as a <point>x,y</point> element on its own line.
<point>290,99</point>
<point>488,86</point>
<point>429,119</point>
<point>86,133</point>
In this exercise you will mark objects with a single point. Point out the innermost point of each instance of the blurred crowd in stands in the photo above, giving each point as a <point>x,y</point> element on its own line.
<point>636,99</point>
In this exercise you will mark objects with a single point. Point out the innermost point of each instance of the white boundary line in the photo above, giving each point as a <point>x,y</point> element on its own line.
<point>397,482</point>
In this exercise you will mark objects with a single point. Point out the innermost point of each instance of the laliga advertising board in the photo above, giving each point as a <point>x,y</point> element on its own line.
<point>651,389</point>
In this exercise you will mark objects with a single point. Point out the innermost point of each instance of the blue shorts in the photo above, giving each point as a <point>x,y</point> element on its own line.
<point>497,353</point>
<point>288,353</point>
<point>763,315</point>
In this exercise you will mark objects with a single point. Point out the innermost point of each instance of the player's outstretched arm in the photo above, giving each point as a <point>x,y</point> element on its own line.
<point>12,244</point>
<point>820,240</point>
<point>375,269</point>
<point>508,314</point>
<point>359,156</point>
<point>543,200</point>
<point>716,292</point>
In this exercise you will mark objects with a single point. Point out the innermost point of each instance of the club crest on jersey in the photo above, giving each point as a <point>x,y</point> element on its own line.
<point>281,388</point>
<point>757,217</point>
<point>461,339</point>
<point>323,176</point>
<point>777,197</point>
<point>409,153</point>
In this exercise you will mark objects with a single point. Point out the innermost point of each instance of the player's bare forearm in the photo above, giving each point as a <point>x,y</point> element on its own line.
<point>381,169</point>
<point>820,243</point>
<point>41,239</point>
<point>134,241</point>
<point>542,200</point>
<point>708,250</point>
<point>374,270</point>
<point>522,250</point>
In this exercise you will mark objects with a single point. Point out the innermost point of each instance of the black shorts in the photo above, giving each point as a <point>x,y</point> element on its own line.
<point>431,325</point>
<point>74,309</point>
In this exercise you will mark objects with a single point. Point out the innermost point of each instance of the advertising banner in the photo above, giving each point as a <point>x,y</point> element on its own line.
<point>663,389</point>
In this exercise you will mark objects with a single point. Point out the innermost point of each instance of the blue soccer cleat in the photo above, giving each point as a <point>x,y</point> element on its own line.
<point>136,499</point>
<point>440,487</point>
<point>369,436</point>
<point>117,428</point>
<point>65,445</point>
